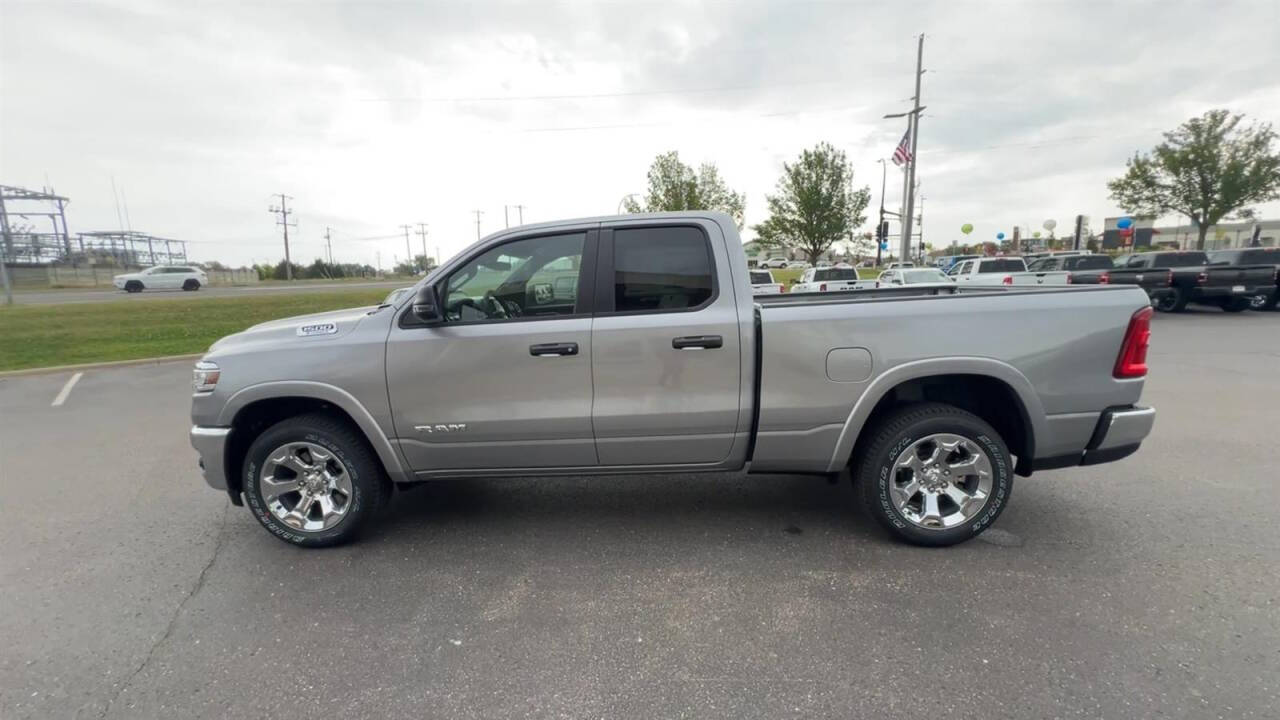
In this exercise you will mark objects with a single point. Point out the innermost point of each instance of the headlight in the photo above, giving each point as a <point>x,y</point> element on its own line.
<point>205,376</point>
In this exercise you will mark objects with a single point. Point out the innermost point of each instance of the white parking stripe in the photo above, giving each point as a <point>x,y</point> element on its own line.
<point>66,390</point>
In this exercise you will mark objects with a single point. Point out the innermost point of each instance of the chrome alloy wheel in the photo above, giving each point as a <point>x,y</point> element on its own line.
<point>305,486</point>
<point>941,481</point>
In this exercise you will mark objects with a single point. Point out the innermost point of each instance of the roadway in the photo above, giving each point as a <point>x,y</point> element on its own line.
<point>59,297</point>
<point>1145,588</point>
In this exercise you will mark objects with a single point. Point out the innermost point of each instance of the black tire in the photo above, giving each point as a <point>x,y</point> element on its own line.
<point>133,286</point>
<point>1175,301</point>
<point>1235,305</point>
<point>369,485</point>
<point>191,285</point>
<point>874,470</point>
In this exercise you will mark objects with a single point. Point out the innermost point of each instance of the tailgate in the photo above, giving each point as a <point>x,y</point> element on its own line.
<point>1241,276</point>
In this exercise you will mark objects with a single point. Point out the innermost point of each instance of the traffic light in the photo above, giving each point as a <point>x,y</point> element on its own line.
<point>882,232</point>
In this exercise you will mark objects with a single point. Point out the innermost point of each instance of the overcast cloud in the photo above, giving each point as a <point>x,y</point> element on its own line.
<point>376,114</point>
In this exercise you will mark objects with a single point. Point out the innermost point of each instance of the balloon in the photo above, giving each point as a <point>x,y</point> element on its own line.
<point>1036,234</point>
<point>1050,224</point>
<point>966,228</point>
<point>999,236</point>
<point>1124,222</point>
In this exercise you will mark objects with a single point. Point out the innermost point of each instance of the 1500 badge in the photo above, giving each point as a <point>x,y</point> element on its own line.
<point>317,329</point>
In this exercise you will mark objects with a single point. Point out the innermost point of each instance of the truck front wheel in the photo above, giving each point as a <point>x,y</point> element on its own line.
<point>312,480</point>
<point>933,474</point>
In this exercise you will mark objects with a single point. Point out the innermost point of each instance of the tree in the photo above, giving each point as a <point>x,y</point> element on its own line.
<point>816,204</point>
<point>419,261</point>
<point>675,186</point>
<point>1207,168</point>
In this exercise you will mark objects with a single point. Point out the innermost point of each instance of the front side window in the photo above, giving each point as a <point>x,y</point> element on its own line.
<point>534,277</point>
<point>661,268</point>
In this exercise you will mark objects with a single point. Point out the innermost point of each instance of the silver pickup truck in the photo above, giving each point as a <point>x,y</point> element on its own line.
<point>633,344</point>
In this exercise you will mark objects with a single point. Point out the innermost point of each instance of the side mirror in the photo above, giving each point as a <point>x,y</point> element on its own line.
<point>426,305</point>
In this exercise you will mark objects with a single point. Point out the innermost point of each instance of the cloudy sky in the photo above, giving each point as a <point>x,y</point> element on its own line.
<point>375,114</point>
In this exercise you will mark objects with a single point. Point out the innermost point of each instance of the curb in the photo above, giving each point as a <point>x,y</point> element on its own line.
<point>96,366</point>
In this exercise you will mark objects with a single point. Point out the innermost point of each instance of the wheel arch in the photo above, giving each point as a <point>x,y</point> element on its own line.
<point>253,409</point>
<point>993,390</point>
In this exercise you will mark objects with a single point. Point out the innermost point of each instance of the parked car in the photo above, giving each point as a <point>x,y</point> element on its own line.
<point>899,265</point>
<point>1101,270</point>
<point>1003,271</point>
<point>664,362</point>
<point>830,280</point>
<point>775,263</point>
<point>1031,257</point>
<point>798,265</point>
<point>1230,287</point>
<point>394,296</point>
<point>947,262</point>
<point>1254,256</point>
<point>913,276</point>
<point>822,264</point>
<point>762,283</point>
<point>162,277</point>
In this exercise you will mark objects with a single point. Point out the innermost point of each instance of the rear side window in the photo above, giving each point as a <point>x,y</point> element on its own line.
<point>1269,256</point>
<point>661,268</point>
<point>761,277</point>
<point>1002,265</point>
<point>835,274</point>
<point>1179,259</point>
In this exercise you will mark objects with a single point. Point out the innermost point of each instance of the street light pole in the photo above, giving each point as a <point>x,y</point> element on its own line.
<point>881,237</point>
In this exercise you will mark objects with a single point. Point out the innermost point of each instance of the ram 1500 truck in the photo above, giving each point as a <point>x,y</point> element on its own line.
<point>1231,288</point>
<point>633,344</point>
<point>1101,270</point>
<point>1267,299</point>
<point>1002,271</point>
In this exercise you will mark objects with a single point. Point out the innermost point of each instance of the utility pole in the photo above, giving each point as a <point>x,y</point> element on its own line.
<point>422,233</point>
<point>520,208</point>
<point>6,246</point>
<point>915,141</point>
<point>506,216</point>
<point>408,254</point>
<point>328,242</point>
<point>478,214</point>
<point>921,219</point>
<point>283,221</point>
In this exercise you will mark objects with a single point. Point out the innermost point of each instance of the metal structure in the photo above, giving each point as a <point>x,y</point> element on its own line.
<point>46,240</point>
<point>129,248</point>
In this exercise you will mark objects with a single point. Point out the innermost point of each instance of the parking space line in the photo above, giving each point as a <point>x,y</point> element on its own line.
<point>66,390</point>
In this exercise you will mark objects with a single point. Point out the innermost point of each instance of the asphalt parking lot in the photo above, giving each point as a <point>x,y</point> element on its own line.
<point>65,296</point>
<point>1145,588</point>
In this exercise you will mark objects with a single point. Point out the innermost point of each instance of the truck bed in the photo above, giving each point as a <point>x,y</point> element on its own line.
<point>820,354</point>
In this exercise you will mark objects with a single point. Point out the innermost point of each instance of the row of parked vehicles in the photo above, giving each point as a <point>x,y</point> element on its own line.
<point>1233,280</point>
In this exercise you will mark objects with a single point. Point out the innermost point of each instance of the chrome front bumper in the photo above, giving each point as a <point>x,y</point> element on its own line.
<point>211,444</point>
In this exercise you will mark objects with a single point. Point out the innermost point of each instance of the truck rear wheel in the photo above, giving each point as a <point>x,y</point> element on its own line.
<point>313,481</point>
<point>1235,305</point>
<point>1174,301</point>
<point>933,474</point>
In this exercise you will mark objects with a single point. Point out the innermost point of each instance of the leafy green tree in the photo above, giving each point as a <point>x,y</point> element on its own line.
<point>1207,168</point>
<point>676,186</point>
<point>419,261</point>
<point>816,204</point>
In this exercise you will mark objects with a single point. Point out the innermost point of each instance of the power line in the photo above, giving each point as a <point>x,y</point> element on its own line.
<point>588,96</point>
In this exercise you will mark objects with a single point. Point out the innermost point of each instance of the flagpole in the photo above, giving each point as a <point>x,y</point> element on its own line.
<point>915,139</point>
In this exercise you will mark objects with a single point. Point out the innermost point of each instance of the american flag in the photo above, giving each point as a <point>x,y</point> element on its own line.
<point>902,153</point>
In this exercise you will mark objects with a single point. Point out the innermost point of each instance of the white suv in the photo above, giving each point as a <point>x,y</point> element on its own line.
<point>162,277</point>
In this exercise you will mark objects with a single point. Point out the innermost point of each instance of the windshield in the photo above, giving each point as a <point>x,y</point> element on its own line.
<point>1179,259</point>
<point>835,274</point>
<point>1002,265</point>
<point>928,275</point>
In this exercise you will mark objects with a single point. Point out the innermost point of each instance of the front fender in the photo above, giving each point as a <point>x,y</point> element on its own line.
<point>336,396</point>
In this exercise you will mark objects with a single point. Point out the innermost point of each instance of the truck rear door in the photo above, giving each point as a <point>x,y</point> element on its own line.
<point>664,345</point>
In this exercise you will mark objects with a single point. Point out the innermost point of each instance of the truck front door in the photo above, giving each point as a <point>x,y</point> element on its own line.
<point>505,380</point>
<point>666,362</point>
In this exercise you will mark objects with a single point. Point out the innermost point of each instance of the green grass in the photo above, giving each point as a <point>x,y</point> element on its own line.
<point>44,335</point>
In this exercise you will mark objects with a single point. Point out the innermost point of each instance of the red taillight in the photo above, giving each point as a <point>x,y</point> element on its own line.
<point>1132,362</point>
<point>1068,278</point>
<point>822,287</point>
<point>1202,278</point>
<point>1104,278</point>
<point>1006,280</point>
<point>782,288</point>
<point>1168,279</point>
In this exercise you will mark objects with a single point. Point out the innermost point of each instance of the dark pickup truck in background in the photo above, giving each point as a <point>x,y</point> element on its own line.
<point>1101,270</point>
<point>1195,280</point>
<point>1241,257</point>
